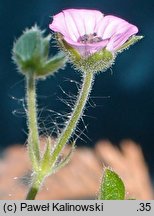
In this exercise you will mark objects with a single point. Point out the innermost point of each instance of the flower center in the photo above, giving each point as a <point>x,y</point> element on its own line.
<point>89,38</point>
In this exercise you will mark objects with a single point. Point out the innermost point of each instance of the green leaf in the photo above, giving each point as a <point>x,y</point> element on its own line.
<point>130,42</point>
<point>112,187</point>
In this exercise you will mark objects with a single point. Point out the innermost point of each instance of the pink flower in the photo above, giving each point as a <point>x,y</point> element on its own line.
<point>89,31</point>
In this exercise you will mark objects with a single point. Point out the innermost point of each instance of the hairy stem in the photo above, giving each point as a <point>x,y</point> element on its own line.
<point>76,114</point>
<point>33,138</point>
<point>67,132</point>
<point>36,184</point>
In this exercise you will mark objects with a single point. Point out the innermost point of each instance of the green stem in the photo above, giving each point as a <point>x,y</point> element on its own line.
<point>37,181</point>
<point>67,132</point>
<point>33,139</point>
<point>76,114</point>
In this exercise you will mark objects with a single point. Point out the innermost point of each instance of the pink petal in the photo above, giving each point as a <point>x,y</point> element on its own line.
<point>119,39</point>
<point>112,25</point>
<point>117,29</point>
<point>87,49</point>
<point>58,24</point>
<point>73,23</point>
<point>84,20</point>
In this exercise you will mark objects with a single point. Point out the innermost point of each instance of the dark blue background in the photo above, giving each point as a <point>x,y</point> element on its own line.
<point>127,113</point>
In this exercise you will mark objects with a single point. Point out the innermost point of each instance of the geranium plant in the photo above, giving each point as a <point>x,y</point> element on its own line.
<point>91,42</point>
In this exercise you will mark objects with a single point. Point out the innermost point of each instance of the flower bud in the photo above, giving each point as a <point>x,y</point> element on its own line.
<point>31,51</point>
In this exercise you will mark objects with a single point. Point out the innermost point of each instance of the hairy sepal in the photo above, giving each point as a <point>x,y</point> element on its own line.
<point>97,62</point>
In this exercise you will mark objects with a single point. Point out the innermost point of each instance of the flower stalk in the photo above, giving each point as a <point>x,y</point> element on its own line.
<point>65,135</point>
<point>76,114</point>
<point>33,139</point>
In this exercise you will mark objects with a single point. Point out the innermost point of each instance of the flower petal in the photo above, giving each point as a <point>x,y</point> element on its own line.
<point>112,25</point>
<point>84,20</point>
<point>117,29</point>
<point>58,24</point>
<point>119,39</point>
<point>87,49</point>
<point>73,23</point>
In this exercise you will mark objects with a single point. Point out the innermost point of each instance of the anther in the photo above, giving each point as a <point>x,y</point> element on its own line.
<point>91,38</point>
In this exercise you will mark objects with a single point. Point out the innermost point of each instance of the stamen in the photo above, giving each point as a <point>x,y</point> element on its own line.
<point>91,38</point>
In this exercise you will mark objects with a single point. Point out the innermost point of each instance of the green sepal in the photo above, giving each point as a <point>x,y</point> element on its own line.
<point>96,62</point>
<point>52,65</point>
<point>134,39</point>
<point>112,187</point>
<point>74,54</point>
